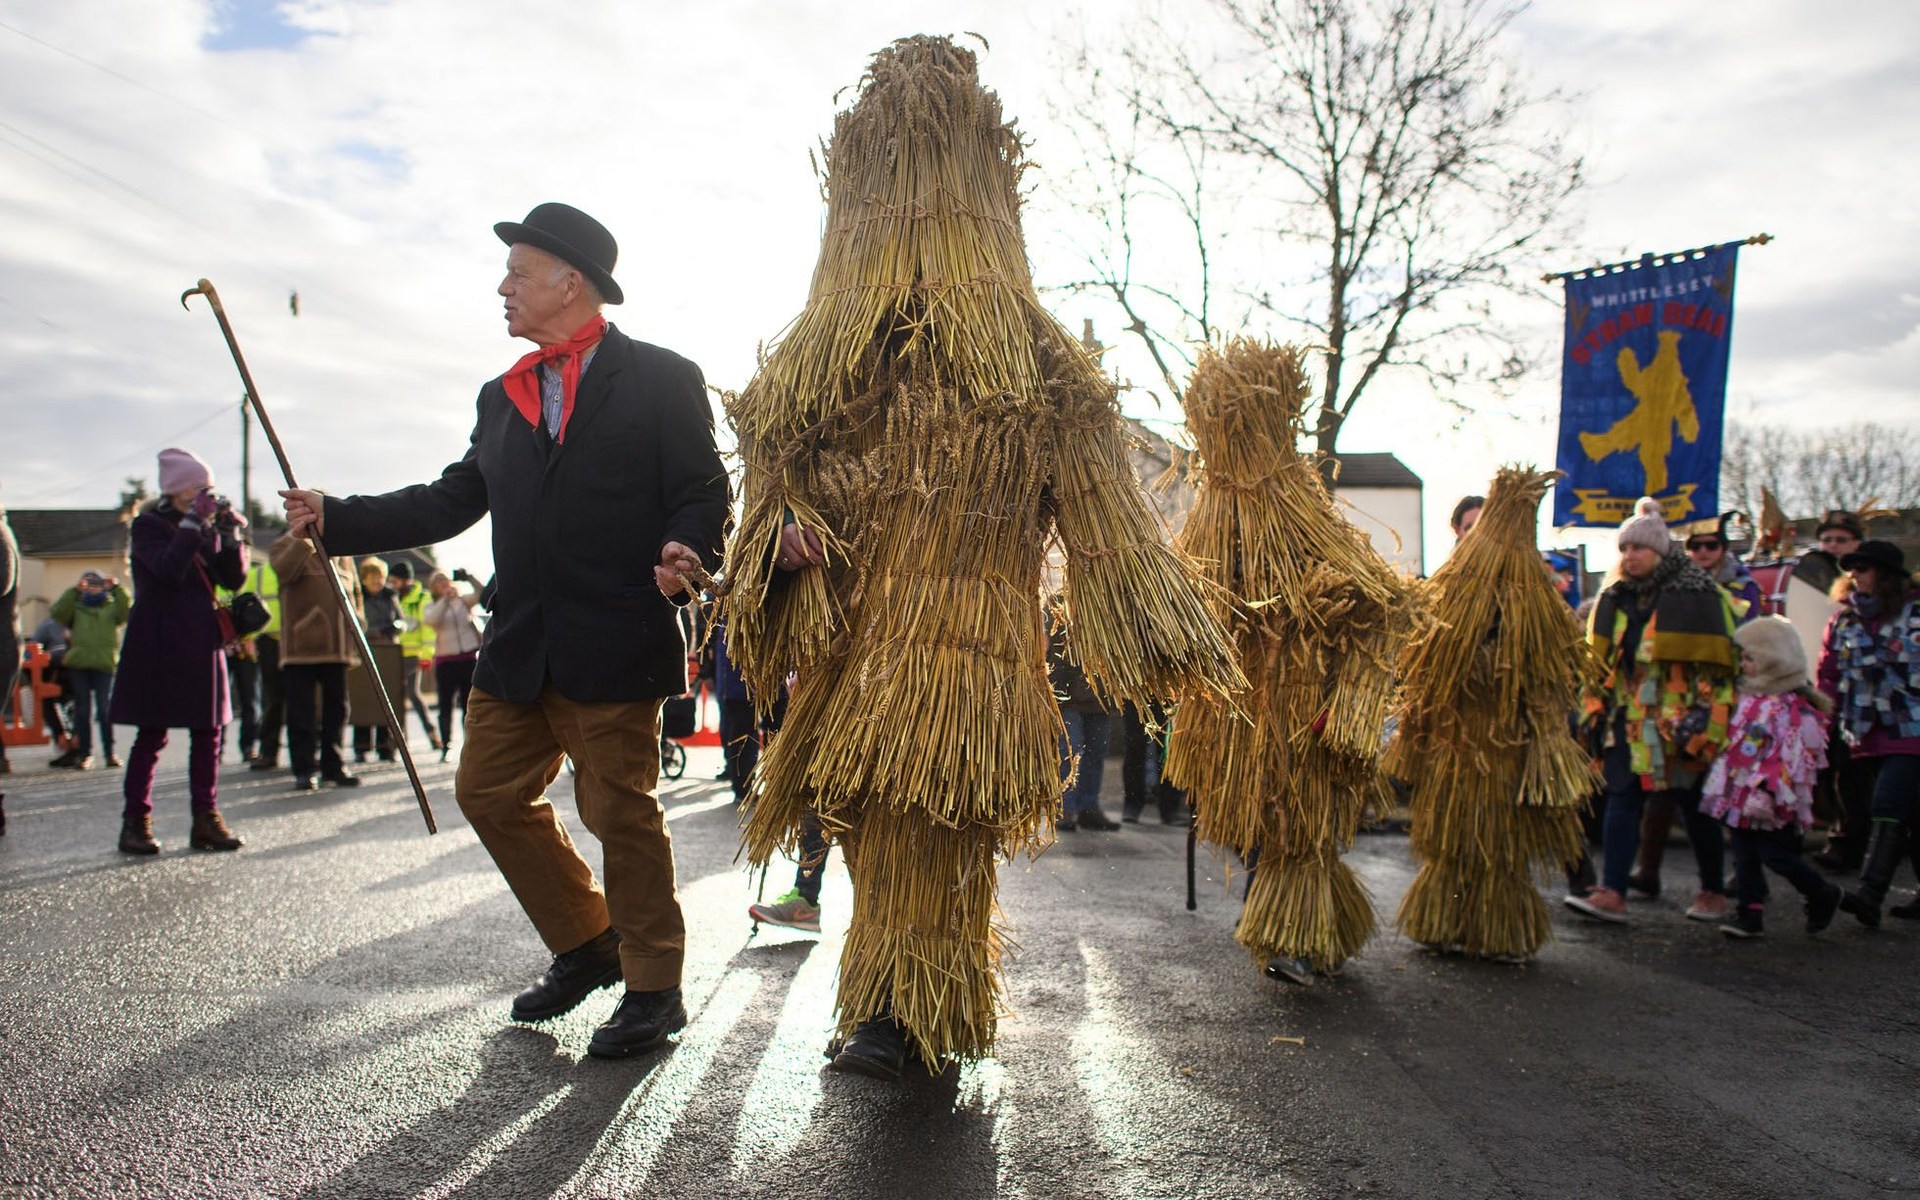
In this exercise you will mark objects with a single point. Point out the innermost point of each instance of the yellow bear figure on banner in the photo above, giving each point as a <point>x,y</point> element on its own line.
<point>1664,401</point>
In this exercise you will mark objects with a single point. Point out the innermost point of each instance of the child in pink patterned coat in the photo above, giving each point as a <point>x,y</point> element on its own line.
<point>1761,786</point>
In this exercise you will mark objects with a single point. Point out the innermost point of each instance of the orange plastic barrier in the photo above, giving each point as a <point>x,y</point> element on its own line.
<point>24,727</point>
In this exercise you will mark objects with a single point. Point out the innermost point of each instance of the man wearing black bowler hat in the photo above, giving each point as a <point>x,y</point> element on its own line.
<point>595,456</point>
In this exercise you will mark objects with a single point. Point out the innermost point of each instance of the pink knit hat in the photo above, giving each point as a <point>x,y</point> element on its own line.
<point>181,470</point>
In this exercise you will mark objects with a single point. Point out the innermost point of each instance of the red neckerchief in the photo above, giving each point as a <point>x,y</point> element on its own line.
<point>523,384</point>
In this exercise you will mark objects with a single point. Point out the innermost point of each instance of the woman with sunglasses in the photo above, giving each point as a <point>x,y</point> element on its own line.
<point>1710,549</point>
<point>1870,664</point>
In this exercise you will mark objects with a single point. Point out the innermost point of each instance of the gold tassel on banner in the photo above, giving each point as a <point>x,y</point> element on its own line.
<point>1484,740</point>
<point>935,427</point>
<point>1287,766</point>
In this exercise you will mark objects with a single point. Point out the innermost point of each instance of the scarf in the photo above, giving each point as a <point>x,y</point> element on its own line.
<point>1689,613</point>
<point>523,382</point>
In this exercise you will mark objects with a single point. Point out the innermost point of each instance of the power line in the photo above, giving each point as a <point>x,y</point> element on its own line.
<point>225,409</point>
<point>62,330</point>
<point>259,265</point>
<point>48,155</point>
<point>122,184</point>
<point>126,79</point>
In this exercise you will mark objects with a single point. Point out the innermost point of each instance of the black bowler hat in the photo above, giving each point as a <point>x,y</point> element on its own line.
<point>565,232</point>
<point>1884,555</point>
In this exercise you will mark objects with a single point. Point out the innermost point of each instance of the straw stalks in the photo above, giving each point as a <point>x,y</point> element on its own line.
<point>1484,739</point>
<point>935,427</point>
<point>1287,765</point>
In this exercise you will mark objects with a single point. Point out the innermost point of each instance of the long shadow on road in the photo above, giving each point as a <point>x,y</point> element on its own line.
<point>529,1119</point>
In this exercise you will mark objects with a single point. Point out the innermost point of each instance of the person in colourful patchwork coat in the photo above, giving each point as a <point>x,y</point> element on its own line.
<point>1870,663</point>
<point>1710,545</point>
<point>1663,633</point>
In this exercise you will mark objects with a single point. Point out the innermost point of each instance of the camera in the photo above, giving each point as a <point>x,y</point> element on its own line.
<point>462,575</point>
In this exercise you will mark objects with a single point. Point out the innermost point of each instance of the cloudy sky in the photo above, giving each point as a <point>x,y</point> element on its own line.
<point>358,152</point>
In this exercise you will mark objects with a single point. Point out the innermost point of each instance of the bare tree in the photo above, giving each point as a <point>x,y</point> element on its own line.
<point>1386,172</point>
<point>1812,470</point>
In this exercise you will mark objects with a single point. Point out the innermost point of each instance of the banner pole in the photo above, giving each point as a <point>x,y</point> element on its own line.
<point>1758,239</point>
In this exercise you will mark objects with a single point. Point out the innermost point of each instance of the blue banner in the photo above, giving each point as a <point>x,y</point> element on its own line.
<point>1643,388</point>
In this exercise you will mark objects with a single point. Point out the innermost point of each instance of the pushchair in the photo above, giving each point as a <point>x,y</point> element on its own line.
<point>677,720</point>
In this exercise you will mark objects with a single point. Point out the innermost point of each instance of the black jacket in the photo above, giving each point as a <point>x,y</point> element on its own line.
<point>577,527</point>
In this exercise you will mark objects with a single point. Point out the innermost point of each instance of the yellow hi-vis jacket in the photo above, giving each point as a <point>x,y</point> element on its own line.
<point>416,641</point>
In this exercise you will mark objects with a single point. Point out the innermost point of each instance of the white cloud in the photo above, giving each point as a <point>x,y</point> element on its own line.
<point>365,164</point>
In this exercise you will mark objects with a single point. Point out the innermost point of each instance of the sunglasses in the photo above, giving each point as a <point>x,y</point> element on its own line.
<point>1709,544</point>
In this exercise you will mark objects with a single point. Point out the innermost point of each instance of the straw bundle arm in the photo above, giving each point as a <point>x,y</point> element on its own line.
<point>1286,765</point>
<point>1484,738</point>
<point>928,420</point>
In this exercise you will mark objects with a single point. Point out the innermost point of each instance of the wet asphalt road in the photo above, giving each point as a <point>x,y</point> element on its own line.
<point>323,1014</point>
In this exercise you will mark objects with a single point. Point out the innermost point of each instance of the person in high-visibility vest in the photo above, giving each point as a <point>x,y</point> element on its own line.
<point>416,640</point>
<point>262,750</point>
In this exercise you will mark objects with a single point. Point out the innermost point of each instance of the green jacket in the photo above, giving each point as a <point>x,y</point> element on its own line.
<point>95,645</point>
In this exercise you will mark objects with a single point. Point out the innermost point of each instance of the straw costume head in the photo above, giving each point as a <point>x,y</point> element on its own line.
<point>935,428</point>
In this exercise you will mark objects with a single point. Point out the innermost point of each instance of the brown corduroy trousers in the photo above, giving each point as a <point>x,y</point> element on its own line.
<point>512,754</point>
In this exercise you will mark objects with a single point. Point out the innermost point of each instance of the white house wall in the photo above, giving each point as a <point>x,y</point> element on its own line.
<point>1392,518</point>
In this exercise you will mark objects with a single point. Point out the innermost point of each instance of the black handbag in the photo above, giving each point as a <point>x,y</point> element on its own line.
<point>250,614</point>
<point>246,616</point>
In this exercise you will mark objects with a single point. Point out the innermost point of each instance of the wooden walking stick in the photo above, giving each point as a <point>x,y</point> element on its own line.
<point>205,288</point>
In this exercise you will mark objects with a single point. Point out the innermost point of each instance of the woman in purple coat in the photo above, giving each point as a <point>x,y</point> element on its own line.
<point>173,670</point>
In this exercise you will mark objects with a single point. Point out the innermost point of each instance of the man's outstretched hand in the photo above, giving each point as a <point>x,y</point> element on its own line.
<point>306,512</point>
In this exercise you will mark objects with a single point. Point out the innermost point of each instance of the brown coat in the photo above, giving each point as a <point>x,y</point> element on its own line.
<point>312,627</point>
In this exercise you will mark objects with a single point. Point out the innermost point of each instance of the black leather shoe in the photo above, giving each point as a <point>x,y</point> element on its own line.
<point>572,978</point>
<point>641,1023</point>
<point>878,1048</point>
<point>1820,908</point>
<point>1094,819</point>
<point>342,778</point>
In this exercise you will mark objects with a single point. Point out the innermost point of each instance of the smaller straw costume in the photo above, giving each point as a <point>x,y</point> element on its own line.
<point>936,428</point>
<point>1316,617</point>
<point>1484,737</point>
